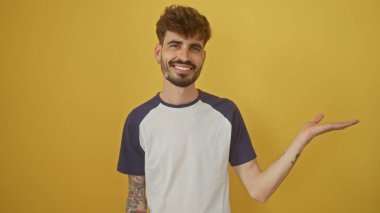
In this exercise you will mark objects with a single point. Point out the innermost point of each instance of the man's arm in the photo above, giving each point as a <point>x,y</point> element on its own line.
<point>261,184</point>
<point>136,202</point>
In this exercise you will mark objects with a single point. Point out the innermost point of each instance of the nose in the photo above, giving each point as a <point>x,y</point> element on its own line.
<point>184,54</point>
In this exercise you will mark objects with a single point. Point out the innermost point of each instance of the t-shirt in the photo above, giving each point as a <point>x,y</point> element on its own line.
<point>183,151</point>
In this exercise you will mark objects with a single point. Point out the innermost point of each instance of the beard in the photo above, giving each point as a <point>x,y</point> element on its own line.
<point>178,79</point>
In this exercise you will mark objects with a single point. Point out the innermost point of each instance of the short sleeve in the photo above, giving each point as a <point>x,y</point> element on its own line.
<point>131,157</point>
<point>241,150</point>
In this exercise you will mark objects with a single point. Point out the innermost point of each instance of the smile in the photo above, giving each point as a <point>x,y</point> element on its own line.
<point>182,68</point>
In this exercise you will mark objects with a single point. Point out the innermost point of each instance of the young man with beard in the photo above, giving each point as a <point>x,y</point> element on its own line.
<point>176,146</point>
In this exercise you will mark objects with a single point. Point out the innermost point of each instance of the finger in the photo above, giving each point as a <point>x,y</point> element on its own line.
<point>327,127</point>
<point>345,124</point>
<point>318,118</point>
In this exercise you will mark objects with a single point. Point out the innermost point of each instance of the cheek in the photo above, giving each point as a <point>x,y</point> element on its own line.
<point>199,60</point>
<point>200,57</point>
<point>165,58</point>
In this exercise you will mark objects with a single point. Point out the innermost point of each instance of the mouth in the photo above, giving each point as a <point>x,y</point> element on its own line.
<point>185,68</point>
<point>182,67</point>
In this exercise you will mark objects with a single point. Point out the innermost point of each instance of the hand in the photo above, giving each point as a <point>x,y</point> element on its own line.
<point>313,128</point>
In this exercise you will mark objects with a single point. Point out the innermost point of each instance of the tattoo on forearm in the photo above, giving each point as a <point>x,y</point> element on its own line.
<point>296,158</point>
<point>136,202</point>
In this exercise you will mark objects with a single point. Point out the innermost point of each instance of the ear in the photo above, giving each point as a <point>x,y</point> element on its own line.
<point>157,52</point>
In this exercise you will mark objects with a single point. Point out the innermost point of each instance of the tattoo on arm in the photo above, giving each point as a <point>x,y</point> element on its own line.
<point>296,158</point>
<point>136,202</point>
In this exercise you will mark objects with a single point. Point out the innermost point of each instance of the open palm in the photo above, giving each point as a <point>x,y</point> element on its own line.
<point>313,128</point>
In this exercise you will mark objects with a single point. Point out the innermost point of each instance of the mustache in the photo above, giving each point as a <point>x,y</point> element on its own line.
<point>179,61</point>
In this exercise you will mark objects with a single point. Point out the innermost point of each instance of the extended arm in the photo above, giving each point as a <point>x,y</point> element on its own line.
<point>261,184</point>
<point>136,202</point>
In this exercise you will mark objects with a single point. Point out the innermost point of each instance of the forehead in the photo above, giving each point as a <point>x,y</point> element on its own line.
<point>170,36</point>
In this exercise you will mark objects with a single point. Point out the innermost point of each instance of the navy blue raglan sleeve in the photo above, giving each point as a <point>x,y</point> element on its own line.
<point>131,156</point>
<point>241,150</point>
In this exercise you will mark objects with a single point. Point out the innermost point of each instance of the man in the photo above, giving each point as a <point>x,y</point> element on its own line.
<point>177,145</point>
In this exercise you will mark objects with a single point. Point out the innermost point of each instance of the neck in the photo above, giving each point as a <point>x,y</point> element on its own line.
<point>178,95</point>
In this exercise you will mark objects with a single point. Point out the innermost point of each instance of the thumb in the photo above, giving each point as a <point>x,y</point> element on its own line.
<point>318,118</point>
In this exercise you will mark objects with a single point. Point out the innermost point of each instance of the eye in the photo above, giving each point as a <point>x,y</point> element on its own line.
<point>195,48</point>
<point>174,45</point>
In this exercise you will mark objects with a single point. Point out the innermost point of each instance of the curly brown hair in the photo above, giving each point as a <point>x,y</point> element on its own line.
<point>183,20</point>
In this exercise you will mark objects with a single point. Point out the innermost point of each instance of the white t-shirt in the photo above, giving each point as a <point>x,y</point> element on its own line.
<point>183,151</point>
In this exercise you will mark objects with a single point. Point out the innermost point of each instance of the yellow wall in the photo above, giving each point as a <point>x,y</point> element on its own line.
<point>71,71</point>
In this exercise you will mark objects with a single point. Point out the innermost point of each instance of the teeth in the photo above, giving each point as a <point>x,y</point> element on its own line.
<point>182,68</point>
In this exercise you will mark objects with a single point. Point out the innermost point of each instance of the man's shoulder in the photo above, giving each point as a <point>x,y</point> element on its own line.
<point>217,102</point>
<point>138,113</point>
<point>224,106</point>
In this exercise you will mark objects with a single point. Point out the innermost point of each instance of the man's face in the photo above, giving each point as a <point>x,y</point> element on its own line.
<point>181,58</point>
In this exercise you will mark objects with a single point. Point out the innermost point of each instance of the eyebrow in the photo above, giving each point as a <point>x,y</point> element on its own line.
<point>175,42</point>
<point>180,42</point>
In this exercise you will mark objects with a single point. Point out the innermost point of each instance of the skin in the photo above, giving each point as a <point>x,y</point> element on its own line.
<point>259,183</point>
<point>176,65</point>
<point>136,202</point>
<point>164,53</point>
